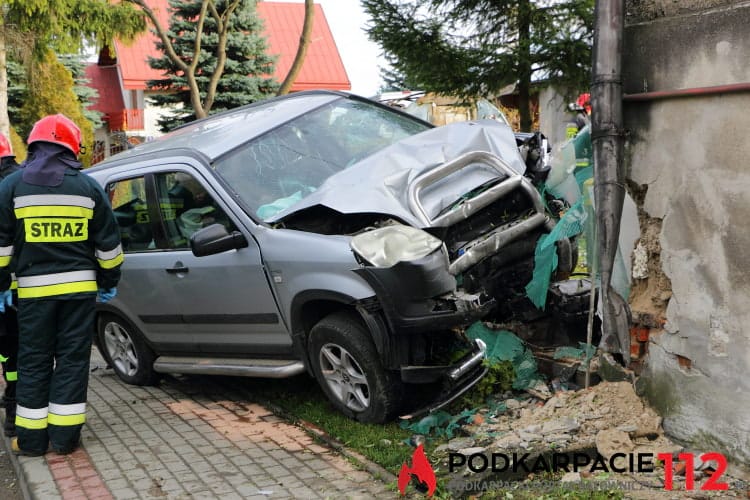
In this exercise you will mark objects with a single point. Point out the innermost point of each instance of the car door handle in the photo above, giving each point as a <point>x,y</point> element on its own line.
<point>176,270</point>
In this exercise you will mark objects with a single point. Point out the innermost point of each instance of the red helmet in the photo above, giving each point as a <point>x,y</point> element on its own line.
<point>58,129</point>
<point>584,101</point>
<point>5,149</point>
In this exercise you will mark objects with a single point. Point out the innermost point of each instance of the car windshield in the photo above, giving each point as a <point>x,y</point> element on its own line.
<point>276,170</point>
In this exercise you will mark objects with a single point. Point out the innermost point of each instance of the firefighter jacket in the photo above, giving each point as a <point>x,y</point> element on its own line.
<point>63,239</point>
<point>8,165</point>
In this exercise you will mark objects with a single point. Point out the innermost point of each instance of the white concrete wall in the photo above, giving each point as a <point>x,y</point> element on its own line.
<point>691,155</point>
<point>553,115</point>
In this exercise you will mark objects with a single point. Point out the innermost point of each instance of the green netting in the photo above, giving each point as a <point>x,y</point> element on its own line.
<point>545,256</point>
<point>584,352</point>
<point>440,423</point>
<point>582,146</point>
<point>582,175</point>
<point>503,345</point>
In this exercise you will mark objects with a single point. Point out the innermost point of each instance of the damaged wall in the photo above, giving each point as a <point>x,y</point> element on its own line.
<point>687,160</point>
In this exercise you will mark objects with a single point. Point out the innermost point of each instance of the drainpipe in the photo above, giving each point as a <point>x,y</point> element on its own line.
<point>609,176</point>
<point>731,88</point>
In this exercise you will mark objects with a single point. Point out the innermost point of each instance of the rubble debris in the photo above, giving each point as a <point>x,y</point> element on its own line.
<point>612,371</point>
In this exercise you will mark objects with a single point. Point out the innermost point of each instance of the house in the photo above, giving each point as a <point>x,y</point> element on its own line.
<point>121,72</point>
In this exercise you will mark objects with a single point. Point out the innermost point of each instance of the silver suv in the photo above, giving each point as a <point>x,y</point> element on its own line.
<point>319,232</point>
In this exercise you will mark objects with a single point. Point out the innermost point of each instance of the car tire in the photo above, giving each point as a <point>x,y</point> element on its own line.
<point>348,369</point>
<point>124,349</point>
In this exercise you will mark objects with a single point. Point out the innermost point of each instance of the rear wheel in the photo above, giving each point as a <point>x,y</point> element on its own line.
<point>126,351</point>
<point>349,370</point>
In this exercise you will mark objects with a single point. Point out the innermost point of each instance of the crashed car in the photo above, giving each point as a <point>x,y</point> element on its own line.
<point>319,232</point>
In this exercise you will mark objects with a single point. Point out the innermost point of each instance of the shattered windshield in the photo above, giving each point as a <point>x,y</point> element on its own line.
<point>281,167</point>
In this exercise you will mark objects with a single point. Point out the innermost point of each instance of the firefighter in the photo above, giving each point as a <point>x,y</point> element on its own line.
<point>8,319</point>
<point>57,225</point>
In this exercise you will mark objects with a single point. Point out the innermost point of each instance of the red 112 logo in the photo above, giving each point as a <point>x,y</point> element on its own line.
<point>713,481</point>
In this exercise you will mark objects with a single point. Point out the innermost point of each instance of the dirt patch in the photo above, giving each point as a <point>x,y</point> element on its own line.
<point>603,421</point>
<point>651,289</point>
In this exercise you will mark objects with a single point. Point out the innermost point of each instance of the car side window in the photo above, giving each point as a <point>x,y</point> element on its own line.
<point>186,207</point>
<point>128,199</point>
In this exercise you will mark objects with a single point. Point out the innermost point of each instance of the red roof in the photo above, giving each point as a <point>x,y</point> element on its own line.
<point>322,68</point>
<point>105,80</point>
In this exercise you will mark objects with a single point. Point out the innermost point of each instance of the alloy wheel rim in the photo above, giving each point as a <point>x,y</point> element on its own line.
<point>344,377</point>
<point>121,349</point>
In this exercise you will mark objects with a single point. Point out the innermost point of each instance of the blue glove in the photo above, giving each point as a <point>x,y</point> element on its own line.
<point>105,295</point>
<point>6,298</point>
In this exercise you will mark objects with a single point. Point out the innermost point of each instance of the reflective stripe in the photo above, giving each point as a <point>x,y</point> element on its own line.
<point>5,255</point>
<point>61,289</point>
<point>13,281</point>
<point>110,258</point>
<point>72,414</point>
<point>50,205</point>
<point>55,230</point>
<point>53,199</point>
<point>66,420</point>
<point>30,424</point>
<point>53,279</point>
<point>11,376</point>
<point>3,359</point>
<point>32,413</point>
<point>71,409</point>
<point>54,211</point>
<point>109,264</point>
<point>47,285</point>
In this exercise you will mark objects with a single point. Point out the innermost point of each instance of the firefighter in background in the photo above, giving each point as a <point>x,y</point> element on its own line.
<point>8,319</point>
<point>58,226</point>
<point>582,109</point>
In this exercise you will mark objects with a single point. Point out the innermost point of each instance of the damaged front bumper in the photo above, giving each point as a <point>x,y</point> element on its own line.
<point>457,378</point>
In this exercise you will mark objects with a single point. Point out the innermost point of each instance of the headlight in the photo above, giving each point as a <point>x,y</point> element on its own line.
<point>388,245</point>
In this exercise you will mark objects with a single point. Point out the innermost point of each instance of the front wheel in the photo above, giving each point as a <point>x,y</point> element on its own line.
<point>125,350</point>
<point>349,370</point>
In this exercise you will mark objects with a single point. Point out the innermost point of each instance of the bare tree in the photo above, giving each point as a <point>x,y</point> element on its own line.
<point>221,17</point>
<point>304,42</point>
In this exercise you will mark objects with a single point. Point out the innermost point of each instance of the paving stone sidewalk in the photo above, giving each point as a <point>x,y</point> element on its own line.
<point>171,443</point>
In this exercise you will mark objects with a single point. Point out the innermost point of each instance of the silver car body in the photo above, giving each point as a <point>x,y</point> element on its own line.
<point>248,310</point>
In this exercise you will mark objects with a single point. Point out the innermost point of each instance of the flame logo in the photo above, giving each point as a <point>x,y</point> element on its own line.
<point>421,469</point>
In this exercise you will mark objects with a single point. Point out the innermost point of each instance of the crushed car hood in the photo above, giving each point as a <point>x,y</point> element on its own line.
<point>379,183</point>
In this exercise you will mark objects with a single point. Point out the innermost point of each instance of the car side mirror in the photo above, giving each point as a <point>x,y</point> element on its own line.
<point>215,239</point>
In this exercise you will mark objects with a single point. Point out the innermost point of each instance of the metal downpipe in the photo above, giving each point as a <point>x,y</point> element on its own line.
<point>609,176</point>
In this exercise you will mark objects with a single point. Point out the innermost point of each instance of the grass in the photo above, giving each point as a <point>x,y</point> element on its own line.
<point>301,399</point>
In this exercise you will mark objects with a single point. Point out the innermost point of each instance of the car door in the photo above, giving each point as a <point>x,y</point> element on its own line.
<point>225,299</point>
<point>144,296</point>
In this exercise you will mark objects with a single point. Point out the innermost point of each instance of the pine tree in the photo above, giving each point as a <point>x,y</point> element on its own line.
<point>476,47</point>
<point>63,26</point>
<point>246,74</point>
<point>50,91</point>
<point>86,95</point>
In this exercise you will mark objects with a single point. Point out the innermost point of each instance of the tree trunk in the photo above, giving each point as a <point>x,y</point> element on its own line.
<point>304,42</point>
<point>4,118</point>
<point>524,65</point>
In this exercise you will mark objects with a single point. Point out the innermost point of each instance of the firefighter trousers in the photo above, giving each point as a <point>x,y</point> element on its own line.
<point>53,371</point>
<point>9,355</point>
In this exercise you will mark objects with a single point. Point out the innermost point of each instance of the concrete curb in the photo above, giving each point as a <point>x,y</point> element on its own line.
<point>20,477</point>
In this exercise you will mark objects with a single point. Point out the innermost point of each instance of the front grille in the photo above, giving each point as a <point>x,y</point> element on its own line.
<point>513,207</point>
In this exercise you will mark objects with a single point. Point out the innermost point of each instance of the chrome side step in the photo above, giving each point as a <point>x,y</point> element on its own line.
<point>266,368</point>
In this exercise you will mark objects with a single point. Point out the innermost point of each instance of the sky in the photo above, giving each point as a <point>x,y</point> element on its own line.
<point>361,58</point>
